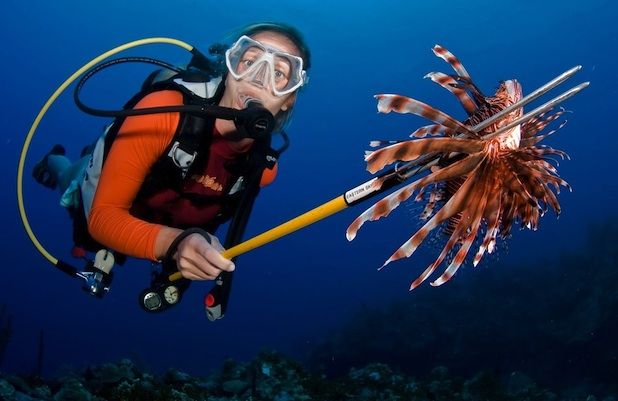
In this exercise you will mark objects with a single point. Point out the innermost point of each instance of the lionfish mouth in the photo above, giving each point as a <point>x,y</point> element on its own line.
<point>513,90</point>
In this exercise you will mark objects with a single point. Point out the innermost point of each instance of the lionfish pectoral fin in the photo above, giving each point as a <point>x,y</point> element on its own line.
<point>493,219</point>
<point>459,257</point>
<point>384,206</point>
<point>410,150</point>
<point>479,200</point>
<point>451,85</point>
<point>433,130</point>
<point>450,58</point>
<point>402,104</point>
<point>431,268</point>
<point>456,204</point>
<point>377,143</point>
<point>380,209</point>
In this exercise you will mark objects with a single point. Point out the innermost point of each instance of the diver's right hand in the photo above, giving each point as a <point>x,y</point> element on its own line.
<point>199,259</point>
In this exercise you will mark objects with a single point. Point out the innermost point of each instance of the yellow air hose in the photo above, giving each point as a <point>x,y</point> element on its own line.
<point>47,105</point>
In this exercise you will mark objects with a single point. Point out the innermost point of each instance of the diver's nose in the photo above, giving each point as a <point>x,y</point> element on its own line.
<point>260,77</point>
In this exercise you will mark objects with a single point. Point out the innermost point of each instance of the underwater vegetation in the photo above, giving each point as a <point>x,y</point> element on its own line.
<point>272,377</point>
<point>556,321</point>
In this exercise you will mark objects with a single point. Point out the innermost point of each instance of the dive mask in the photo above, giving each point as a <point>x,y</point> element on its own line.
<point>251,60</point>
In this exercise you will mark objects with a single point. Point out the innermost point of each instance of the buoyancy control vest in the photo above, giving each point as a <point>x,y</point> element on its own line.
<point>188,152</point>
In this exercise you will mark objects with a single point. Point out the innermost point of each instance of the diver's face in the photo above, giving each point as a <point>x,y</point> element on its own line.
<point>238,91</point>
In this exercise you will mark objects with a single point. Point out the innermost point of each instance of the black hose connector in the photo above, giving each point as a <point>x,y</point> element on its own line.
<point>254,121</point>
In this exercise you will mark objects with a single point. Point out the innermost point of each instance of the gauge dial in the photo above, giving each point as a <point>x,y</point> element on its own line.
<point>151,301</point>
<point>171,294</point>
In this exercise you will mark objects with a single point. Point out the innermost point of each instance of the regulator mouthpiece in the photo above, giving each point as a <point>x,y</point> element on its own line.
<point>254,121</point>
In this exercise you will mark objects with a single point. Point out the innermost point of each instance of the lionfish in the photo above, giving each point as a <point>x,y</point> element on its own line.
<point>481,182</point>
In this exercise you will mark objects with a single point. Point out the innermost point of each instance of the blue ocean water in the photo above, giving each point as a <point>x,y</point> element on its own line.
<point>288,295</point>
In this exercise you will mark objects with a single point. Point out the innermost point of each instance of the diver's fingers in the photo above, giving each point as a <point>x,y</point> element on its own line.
<point>198,257</point>
<point>213,257</point>
<point>196,269</point>
<point>190,276</point>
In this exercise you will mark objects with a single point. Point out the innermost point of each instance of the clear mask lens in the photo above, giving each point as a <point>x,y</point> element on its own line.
<point>250,60</point>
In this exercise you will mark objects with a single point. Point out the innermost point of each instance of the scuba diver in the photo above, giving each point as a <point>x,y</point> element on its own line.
<point>157,186</point>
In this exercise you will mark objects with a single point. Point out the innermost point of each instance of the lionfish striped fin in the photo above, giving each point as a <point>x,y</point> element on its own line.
<point>451,85</point>
<point>547,166</point>
<point>541,176</point>
<point>530,217</point>
<point>552,200</point>
<point>458,203</point>
<point>402,104</point>
<point>512,181</point>
<point>432,267</point>
<point>531,122</point>
<point>384,206</point>
<point>467,84</point>
<point>451,59</point>
<point>493,220</point>
<point>480,201</point>
<point>453,239</point>
<point>380,209</point>
<point>531,138</point>
<point>410,150</point>
<point>433,130</point>
<point>508,215</point>
<point>434,196</point>
<point>546,150</point>
<point>375,144</point>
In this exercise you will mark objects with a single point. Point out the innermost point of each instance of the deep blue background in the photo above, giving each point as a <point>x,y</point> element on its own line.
<point>289,294</point>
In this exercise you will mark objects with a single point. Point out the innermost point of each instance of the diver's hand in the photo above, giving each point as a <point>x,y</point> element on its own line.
<point>197,259</point>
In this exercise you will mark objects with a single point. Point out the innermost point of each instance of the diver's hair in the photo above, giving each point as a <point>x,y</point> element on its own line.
<point>286,30</point>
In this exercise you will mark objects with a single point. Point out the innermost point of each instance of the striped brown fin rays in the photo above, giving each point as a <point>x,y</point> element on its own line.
<point>530,129</point>
<point>433,130</point>
<point>447,248</point>
<point>452,60</point>
<point>478,201</point>
<point>410,150</point>
<point>383,207</point>
<point>546,150</point>
<point>452,241</point>
<point>454,205</point>
<point>434,196</point>
<point>450,84</point>
<point>380,209</point>
<point>402,104</point>
<point>493,220</point>
<point>486,174</point>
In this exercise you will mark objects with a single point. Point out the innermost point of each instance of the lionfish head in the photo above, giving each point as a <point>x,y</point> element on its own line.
<point>509,91</point>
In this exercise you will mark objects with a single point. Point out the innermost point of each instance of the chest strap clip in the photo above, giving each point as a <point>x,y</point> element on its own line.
<point>182,159</point>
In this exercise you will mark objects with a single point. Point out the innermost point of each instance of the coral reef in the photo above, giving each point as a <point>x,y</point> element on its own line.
<point>273,377</point>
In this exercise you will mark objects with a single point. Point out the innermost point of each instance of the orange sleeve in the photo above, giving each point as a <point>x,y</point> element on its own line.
<point>140,142</point>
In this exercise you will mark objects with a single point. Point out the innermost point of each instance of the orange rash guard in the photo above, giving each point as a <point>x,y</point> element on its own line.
<point>140,142</point>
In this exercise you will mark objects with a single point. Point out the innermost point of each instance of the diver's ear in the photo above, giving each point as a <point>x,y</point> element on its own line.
<point>289,102</point>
